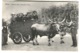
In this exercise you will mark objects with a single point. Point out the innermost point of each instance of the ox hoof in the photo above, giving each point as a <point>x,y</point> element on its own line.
<point>52,41</point>
<point>34,44</point>
<point>37,43</point>
<point>61,42</point>
<point>49,44</point>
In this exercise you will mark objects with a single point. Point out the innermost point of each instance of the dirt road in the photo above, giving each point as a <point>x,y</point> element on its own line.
<point>43,45</point>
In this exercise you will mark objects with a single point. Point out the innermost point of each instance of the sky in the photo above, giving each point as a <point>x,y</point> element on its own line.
<point>24,7</point>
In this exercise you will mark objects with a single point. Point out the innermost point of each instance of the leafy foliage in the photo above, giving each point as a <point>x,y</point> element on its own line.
<point>58,13</point>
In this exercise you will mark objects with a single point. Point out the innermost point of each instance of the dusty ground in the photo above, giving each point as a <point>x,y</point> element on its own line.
<point>56,46</point>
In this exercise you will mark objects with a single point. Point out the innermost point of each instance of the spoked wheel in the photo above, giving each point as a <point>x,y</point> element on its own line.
<point>17,38</point>
<point>26,38</point>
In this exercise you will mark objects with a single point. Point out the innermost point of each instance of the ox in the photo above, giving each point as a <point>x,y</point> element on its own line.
<point>43,30</point>
<point>50,30</point>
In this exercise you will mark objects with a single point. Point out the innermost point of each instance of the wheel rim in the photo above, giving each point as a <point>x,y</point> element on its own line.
<point>17,37</point>
<point>26,38</point>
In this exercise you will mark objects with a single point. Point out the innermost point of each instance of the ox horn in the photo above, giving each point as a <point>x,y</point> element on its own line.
<point>50,20</point>
<point>63,20</point>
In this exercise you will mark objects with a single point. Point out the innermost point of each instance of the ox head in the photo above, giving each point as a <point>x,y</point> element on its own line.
<point>59,27</point>
<point>62,27</point>
<point>54,26</point>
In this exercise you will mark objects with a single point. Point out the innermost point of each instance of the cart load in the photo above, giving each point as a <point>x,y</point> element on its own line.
<point>20,26</point>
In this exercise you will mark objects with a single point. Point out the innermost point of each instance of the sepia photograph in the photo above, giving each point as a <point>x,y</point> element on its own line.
<point>40,26</point>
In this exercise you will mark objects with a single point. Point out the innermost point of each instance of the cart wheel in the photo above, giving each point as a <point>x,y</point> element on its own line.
<point>17,38</point>
<point>26,38</point>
